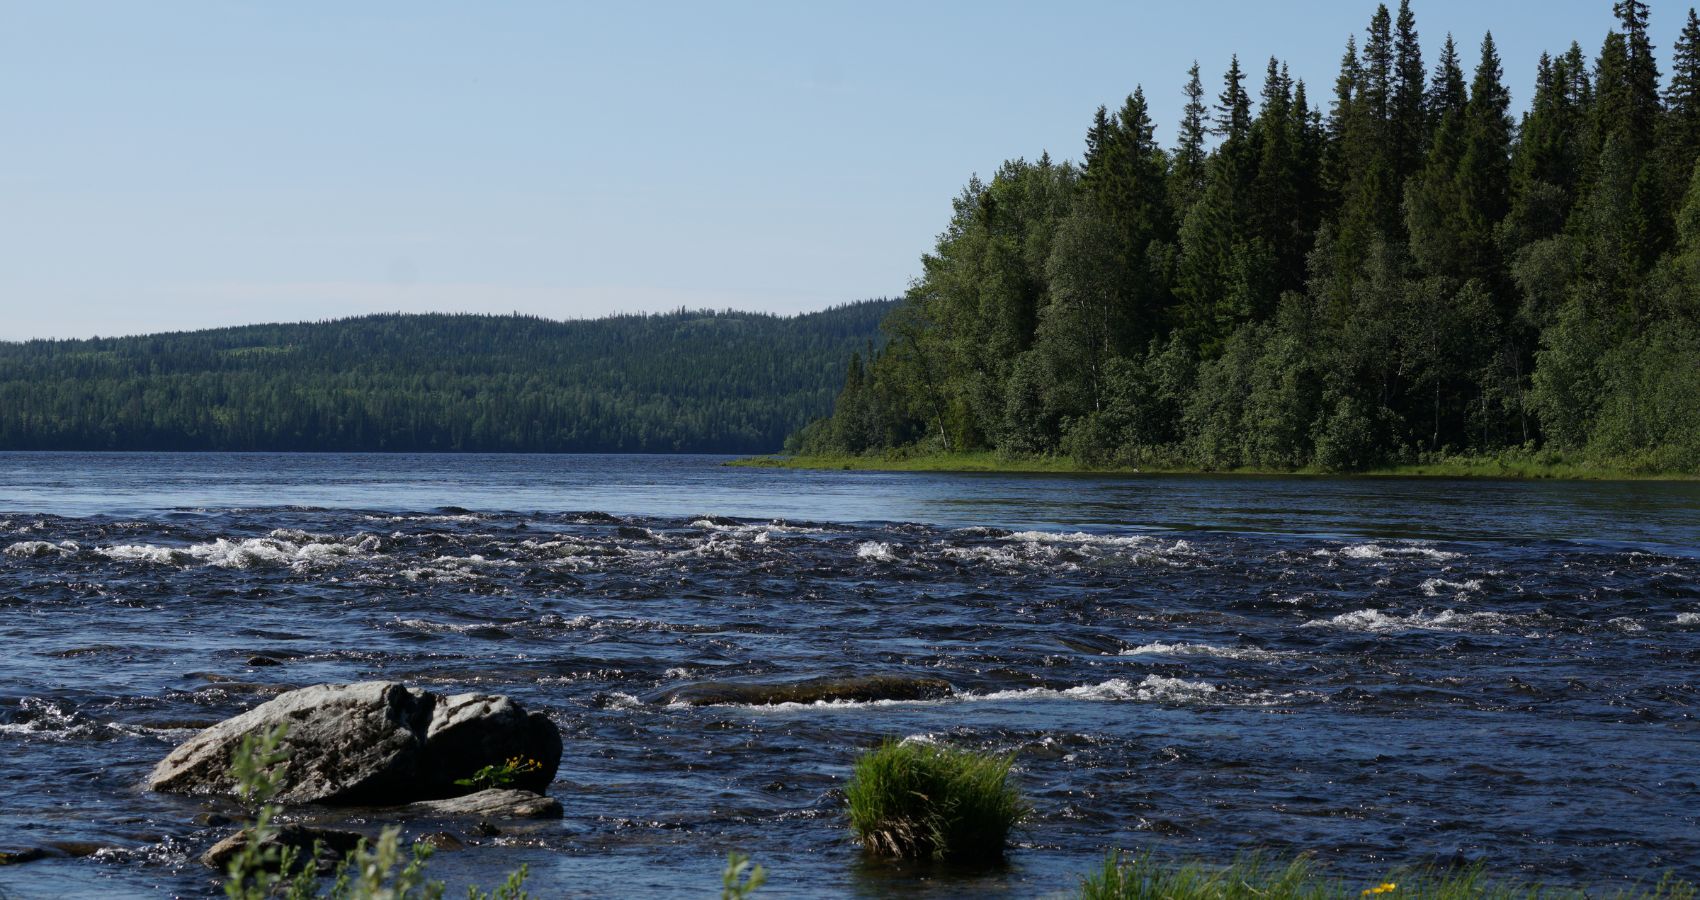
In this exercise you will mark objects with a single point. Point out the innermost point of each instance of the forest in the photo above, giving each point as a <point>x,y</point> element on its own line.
<point>1399,271</point>
<point>721,382</point>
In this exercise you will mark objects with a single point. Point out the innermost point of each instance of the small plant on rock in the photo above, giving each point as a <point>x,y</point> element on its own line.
<point>922,801</point>
<point>500,776</point>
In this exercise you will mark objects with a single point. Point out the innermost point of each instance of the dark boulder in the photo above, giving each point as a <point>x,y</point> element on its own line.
<point>470,731</point>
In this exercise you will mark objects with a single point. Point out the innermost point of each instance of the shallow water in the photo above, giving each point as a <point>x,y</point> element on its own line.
<point>1380,671</point>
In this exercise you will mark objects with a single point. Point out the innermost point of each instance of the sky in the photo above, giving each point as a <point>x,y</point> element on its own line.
<point>174,165</point>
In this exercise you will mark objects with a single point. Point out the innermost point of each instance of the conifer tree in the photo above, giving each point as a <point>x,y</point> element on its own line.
<point>1233,105</point>
<point>1187,174</point>
<point>1484,171</point>
<point>1446,92</point>
<point>1411,131</point>
<point>1679,143</point>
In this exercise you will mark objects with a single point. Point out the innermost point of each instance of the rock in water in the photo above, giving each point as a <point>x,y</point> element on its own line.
<point>354,743</point>
<point>495,803</point>
<point>376,743</point>
<point>333,844</point>
<point>470,731</point>
<point>861,689</point>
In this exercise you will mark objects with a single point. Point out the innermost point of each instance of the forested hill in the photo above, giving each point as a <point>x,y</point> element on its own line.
<point>1389,268</point>
<point>686,381</point>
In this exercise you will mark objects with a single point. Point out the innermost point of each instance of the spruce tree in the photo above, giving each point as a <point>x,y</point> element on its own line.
<point>1187,174</point>
<point>1233,105</point>
<point>1446,93</point>
<point>1484,171</point>
<point>1411,131</point>
<point>1679,141</point>
<point>1546,166</point>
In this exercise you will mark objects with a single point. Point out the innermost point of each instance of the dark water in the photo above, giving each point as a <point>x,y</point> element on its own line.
<point>1382,672</point>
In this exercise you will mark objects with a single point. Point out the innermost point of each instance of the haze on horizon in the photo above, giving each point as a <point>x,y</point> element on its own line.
<point>182,165</point>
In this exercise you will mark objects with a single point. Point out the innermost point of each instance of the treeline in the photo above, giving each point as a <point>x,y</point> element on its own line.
<point>685,381</point>
<point>1410,274</point>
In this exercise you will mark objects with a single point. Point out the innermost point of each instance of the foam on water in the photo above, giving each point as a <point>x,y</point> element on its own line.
<point>1388,551</point>
<point>279,549</point>
<point>38,549</point>
<point>880,551</point>
<point>1434,587</point>
<point>1246,653</point>
<point>1376,621</point>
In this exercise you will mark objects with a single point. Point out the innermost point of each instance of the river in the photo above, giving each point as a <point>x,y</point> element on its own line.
<point>1381,672</point>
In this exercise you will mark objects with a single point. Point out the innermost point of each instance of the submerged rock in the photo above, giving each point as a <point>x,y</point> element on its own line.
<point>858,689</point>
<point>333,844</point>
<point>376,743</point>
<point>54,850</point>
<point>495,803</point>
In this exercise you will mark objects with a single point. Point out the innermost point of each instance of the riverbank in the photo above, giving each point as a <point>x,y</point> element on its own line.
<point>1508,466</point>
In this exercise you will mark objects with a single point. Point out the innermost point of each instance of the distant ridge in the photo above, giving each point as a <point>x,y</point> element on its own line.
<point>685,381</point>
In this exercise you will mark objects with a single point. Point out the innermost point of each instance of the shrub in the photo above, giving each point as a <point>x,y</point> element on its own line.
<point>922,801</point>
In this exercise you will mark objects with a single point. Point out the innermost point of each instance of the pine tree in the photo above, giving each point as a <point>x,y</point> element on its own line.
<point>1625,117</point>
<point>1233,105</point>
<point>1546,166</point>
<point>1446,93</point>
<point>1187,174</point>
<point>1484,171</point>
<point>1372,204</point>
<point>1682,96</point>
<point>1679,141</point>
<point>1411,131</point>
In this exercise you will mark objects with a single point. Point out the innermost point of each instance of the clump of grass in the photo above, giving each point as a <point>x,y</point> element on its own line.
<point>922,801</point>
<point>1145,878</point>
<point>1251,876</point>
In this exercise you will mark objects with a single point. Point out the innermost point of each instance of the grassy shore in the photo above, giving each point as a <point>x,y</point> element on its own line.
<point>1510,465</point>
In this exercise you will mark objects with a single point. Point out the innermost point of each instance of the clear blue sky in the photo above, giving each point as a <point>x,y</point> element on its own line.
<point>168,165</point>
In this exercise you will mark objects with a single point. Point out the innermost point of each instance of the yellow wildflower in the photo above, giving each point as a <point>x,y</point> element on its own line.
<point>1386,887</point>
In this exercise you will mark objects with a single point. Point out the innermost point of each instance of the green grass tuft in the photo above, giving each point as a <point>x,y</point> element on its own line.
<point>922,801</point>
<point>1144,878</point>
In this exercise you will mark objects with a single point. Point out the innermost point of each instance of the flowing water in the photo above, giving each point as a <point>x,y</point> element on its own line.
<point>1382,672</point>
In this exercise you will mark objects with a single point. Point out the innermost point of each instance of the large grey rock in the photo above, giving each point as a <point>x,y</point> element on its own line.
<point>495,803</point>
<point>862,689</point>
<point>347,744</point>
<point>375,743</point>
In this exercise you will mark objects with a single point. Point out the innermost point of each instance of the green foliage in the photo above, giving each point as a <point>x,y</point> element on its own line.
<point>1146,878</point>
<point>511,889</point>
<point>684,381</point>
<point>1143,878</point>
<point>740,879</point>
<point>261,870</point>
<point>1412,277</point>
<point>500,776</point>
<point>921,801</point>
<point>258,768</point>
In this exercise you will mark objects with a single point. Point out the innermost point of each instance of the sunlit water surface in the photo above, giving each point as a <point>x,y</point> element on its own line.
<point>1381,672</point>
